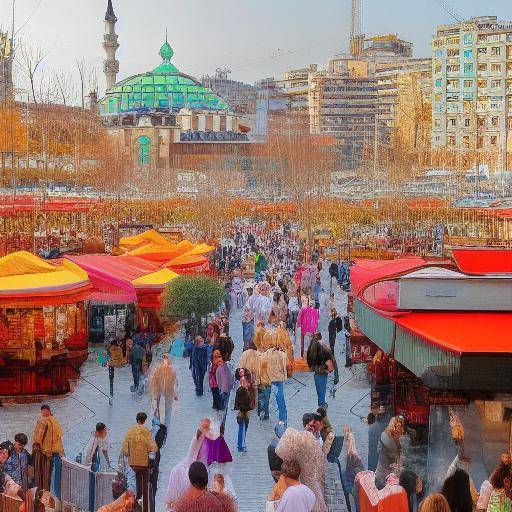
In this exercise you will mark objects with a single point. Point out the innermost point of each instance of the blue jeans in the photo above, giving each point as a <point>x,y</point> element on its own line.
<point>248,333</point>
<point>263,401</point>
<point>57,475</point>
<point>321,388</point>
<point>198,374</point>
<point>136,375</point>
<point>281,401</point>
<point>224,400</point>
<point>243,424</point>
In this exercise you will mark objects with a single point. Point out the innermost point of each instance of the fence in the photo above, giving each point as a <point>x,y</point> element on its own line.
<point>80,491</point>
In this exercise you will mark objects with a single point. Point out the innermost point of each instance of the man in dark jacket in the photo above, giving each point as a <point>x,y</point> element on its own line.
<point>199,363</point>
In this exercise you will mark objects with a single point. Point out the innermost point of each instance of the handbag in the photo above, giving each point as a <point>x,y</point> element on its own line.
<point>271,505</point>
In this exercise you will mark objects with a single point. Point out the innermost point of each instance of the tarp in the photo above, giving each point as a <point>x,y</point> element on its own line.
<point>156,253</point>
<point>200,249</point>
<point>366,271</point>
<point>462,332</point>
<point>151,235</point>
<point>26,276</point>
<point>156,280</point>
<point>112,276</point>
<point>187,261</point>
<point>483,261</point>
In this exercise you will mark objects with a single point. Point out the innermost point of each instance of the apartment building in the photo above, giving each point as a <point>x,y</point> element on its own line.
<point>472,86</point>
<point>343,103</point>
<point>295,84</point>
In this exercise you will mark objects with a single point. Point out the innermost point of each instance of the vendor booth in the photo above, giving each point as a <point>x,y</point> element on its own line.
<point>112,304</point>
<point>43,324</point>
<point>445,336</point>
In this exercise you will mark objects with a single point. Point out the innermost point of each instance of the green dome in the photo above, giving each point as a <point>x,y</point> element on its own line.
<point>164,88</point>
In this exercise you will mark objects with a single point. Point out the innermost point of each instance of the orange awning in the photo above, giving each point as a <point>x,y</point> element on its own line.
<point>187,261</point>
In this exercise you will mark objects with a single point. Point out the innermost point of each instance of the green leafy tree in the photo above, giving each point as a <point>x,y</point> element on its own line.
<point>192,295</point>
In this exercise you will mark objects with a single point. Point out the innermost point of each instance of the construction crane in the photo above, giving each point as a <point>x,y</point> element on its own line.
<point>356,44</point>
<point>447,7</point>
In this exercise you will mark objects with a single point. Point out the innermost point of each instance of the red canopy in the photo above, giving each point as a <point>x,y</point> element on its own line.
<point>462,332</point>
<point>483,261</point>
<point>366,271</point>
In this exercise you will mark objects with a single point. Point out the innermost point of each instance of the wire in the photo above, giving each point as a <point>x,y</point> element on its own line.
<point>446,7</point>
<point>29,18</point>
<point>358,402</point>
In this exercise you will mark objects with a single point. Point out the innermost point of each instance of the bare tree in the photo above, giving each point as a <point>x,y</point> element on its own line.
<point>29,59</point>
<point>80,64</point>
<point>64,87</point>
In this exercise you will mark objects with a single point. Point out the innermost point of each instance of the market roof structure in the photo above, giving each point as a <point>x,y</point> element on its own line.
<point>25,277</point>
<point>164,88</point>
<point>156,280</point>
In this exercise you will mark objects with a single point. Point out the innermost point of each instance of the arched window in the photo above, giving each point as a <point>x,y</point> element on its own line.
<point>144,150</point>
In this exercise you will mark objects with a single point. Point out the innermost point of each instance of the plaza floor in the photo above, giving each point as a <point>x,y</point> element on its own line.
<point>89,404</point>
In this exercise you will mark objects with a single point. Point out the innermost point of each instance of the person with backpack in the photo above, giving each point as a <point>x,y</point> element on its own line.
<point>320,361</point>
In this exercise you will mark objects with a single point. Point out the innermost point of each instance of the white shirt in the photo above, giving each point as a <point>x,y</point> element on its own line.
<point>297,498</point>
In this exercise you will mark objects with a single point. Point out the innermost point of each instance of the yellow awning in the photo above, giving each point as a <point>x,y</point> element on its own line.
<point>158,279</point>
<point>151,235</point>
<point>23,272</point>
<point>200,249</point>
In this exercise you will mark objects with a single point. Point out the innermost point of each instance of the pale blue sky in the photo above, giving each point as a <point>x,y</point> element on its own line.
<point>254,38</point>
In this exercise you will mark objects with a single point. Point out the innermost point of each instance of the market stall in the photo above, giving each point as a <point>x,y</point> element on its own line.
<point>43,324</point>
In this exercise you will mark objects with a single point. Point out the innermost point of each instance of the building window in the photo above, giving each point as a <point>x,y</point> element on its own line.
<point>494,140</point>
<point>495,121</point>
<point>452,122</point>
<point>467,123</point>
<point>144,150</point>
<point>452,53</point>
<point>482,50</point>
<point>451,141</point>
<point>468,38</point>
<point>468,54</point>
<point>465,141</point>
<point>468,84</point>
<point>439,82</point>
<point>437,123</point>
<point>495,50</point>
<point>480,143</point>
<point>482,66</point>
<point>495,68</point>
<point>495,84</point>
<point>468,68</point>
<point>482,84</point>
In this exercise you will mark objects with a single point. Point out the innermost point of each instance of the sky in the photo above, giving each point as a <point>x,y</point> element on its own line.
<point>253,38</point>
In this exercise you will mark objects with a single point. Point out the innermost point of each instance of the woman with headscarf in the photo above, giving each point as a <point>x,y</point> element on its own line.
<point>245,402</point>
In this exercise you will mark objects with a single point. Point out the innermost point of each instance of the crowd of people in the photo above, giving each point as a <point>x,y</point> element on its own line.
<point>280,300</point>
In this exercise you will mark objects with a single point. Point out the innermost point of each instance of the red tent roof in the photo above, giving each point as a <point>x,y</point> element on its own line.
<point>483,261</point>
<point>366,271</point>
<point>462,332</point>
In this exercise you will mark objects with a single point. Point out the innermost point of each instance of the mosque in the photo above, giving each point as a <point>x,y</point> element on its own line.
<point>162,114</point>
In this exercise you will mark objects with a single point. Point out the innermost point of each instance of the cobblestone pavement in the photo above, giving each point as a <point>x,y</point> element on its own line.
<point>80,411</point>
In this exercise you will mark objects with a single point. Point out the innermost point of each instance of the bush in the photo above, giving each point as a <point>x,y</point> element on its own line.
<point>187,295</point>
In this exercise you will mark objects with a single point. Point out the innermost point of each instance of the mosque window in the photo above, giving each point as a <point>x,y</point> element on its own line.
<point>144,150</point>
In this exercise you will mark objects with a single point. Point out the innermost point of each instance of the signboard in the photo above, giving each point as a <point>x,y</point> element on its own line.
<point>362,349</point>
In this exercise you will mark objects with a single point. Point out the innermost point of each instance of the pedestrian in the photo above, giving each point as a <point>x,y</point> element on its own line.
<point>163,387</point>
<point>434,503</point>
<point>335,326</point>
<point>212,379</point>
<point>19,465</point>
<point>297,497</point>
<point>500,498</point>
<point>224,379</point>
<point>138,445</point>
<point>245,402</point>
<point>136,359</point>
<point>277,366</point>
<point>199,363</point>
<point>48,451</point>
<point>413,486</point>
<point>95,448</point>
<point>247,322</point>
<point>319,359</point>
<point>7,484</point>
<point>457,491</point>
<point>198,498</point>
<point>275,462</point>
<point>154,465</point>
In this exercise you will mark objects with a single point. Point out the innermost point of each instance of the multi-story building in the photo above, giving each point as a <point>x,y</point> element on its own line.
<point>387,45</point>
<point>6,84</point>
<point>343,103</point>
<point>295,84</point>
<point>472,86</point>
